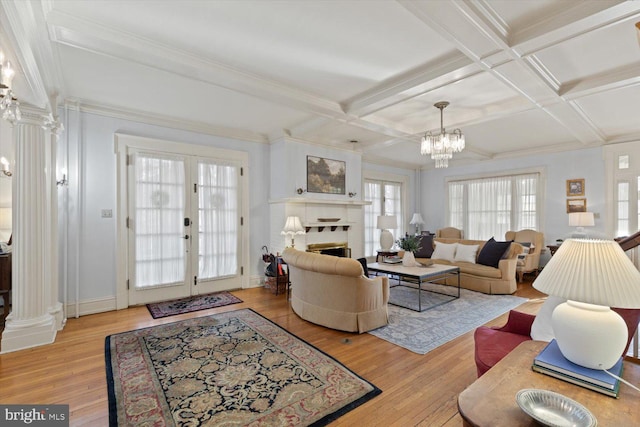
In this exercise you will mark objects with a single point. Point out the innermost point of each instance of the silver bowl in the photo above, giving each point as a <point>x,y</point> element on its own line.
<point>553,409</point>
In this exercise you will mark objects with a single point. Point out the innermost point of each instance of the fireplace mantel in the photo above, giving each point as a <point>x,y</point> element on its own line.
<point>307,201</point>
<point>349,227</point>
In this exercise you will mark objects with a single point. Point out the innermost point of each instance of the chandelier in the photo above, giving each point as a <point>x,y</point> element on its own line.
<point>9,104</point>
<point>441,146</point>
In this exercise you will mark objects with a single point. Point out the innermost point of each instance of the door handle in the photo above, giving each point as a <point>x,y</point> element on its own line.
<point>186,237</point>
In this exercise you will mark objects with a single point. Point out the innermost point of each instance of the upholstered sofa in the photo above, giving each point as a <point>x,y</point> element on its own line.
<point>474,276</point>
<point>334,292</point>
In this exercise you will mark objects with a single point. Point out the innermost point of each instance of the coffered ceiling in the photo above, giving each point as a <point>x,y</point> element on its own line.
<point>522,77</point>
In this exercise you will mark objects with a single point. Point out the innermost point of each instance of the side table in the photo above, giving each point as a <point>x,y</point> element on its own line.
<point>382,254</point>
<point>553,248</point>
<point>491,400</point>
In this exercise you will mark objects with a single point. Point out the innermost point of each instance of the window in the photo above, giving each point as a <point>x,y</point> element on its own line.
<point>386,199</point>
<point>491,206</point>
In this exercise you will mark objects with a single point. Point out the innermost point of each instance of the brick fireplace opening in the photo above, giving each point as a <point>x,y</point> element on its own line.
<point>339,249</point>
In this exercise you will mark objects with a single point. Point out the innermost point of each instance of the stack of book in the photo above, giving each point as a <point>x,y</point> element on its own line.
<point>551,362</point>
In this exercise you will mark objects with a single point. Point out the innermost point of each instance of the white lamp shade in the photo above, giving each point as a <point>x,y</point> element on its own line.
<point>416,219</point>
<point>387,222</point>
<point>5,218</point>
<point>591,271</point>
<point>592,275</point>
<point>293,226</point>
<point>581,219</point>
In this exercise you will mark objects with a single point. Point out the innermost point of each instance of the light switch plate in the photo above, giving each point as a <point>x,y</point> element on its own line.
<point>107,213</point>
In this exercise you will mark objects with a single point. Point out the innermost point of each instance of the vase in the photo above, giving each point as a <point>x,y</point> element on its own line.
<point>409,260</point>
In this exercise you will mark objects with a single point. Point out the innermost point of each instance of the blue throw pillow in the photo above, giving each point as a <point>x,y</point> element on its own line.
<point>492,252</point>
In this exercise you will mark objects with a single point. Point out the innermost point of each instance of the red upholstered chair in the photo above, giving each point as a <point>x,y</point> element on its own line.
<point>492,344</point>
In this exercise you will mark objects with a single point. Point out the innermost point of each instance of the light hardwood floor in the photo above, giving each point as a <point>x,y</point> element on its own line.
<point>417,389</point>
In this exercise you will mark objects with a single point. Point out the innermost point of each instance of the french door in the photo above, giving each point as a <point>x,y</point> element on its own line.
<point>184,225</point>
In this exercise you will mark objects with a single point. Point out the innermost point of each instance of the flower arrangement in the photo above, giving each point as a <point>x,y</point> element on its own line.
<point>409,243</point>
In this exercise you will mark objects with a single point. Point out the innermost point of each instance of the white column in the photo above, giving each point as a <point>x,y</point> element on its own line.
<point>30,323</point>
<point>53,128</point>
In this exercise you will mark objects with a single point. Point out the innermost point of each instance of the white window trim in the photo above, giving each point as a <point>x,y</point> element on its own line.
<point>389,177</point>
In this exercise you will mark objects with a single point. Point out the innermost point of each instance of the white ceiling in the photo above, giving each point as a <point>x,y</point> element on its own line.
<point>521,76</point>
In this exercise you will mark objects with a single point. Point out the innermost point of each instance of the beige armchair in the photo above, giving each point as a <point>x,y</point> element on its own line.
<point>449,233</point>
<point>528,262</point>
<point>334,292</point>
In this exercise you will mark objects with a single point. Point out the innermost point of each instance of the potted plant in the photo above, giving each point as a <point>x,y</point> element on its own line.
<point>409,244</point>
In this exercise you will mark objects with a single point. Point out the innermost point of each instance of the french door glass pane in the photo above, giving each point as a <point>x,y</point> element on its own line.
<point>218,219</point>
<point>159,210</point>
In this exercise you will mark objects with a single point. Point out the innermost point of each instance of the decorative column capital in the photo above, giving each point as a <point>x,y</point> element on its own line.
<point>53,125</point>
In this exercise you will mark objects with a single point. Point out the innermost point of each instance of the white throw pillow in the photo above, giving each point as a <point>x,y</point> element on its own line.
<point>541,329</point>
<point>466,253</point>
<point>446,251</point>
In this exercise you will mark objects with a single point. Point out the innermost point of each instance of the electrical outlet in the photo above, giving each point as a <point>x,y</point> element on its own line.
<point>107,213</point>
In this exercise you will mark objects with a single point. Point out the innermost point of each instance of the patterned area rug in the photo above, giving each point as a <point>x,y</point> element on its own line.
<point>189,304</point>
<point>422,332</point>
<point>234,368</point>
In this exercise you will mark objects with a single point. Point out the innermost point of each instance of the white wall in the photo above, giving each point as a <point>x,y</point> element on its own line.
<point>88,257</point>
<point>558,167</point>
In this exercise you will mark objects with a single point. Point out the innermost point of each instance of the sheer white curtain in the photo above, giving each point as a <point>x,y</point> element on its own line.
<point>386,199</point>
<point>526,206</point>
<point>159,214</point>
<point>489,207</point>
<point>372,193</point>
<point>218,219</point>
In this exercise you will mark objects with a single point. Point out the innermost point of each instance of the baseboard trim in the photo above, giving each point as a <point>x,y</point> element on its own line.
<point>100,305</point>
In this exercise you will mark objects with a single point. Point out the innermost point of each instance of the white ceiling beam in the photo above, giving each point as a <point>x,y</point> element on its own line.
<point>620,78</point>
<point>581,19</point>
<point>92,36</point>
<point>416,82</point>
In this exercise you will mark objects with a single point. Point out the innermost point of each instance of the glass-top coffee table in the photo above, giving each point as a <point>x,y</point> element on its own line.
<point>418,275</point>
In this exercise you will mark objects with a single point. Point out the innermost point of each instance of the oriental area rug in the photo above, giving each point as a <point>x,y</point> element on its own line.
<point>233,368</point>
<point>446,320</point>
<point>189,304</point>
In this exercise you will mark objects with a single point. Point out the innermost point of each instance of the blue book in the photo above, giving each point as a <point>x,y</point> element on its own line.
<point>552,359</point>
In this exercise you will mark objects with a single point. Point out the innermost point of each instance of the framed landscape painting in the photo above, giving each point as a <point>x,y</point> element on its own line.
<point>576,205</point>
<point>326,175</point>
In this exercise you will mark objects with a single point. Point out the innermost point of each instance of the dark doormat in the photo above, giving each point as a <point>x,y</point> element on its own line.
<point>189,304</point>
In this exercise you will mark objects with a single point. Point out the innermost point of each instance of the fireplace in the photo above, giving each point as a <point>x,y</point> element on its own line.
<point>336,249</point>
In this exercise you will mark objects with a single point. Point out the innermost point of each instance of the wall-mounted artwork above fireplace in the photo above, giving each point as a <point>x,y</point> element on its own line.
<point>326,175</point>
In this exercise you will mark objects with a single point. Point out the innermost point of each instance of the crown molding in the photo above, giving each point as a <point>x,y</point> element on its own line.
<point>94,37</point>
<point>164,121</point>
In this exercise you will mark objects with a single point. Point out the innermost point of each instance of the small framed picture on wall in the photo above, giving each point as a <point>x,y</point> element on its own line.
<point>575,187</point>
<point>576,205</point>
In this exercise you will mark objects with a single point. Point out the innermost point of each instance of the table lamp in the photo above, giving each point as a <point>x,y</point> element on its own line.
<point>592,275</point>
<point>580,220</point>
<point>386,223</point>
<point>292,227</point>
<point>417,221</point>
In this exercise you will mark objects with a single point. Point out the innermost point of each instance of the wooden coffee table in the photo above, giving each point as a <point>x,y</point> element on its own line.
<point>418,275</point>
<point>491,400</point>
